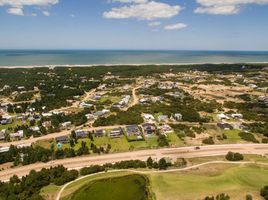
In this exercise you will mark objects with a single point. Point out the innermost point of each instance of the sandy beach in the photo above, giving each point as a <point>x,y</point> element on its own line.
<point>138,64</point>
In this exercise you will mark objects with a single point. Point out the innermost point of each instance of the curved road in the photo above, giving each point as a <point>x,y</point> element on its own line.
<point>173,153</point>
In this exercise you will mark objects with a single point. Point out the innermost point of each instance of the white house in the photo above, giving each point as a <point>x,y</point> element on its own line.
<point>148,117</point>
<point>178,116</point>
<point>85,105</point>
<point>162,118</point>
<point>222,116</point>
<point>237,115</point>
<point>18,134</point>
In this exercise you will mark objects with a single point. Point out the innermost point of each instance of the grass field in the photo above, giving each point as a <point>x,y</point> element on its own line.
<point>130,187</point>
<point>236,181</point>
<point>232,136</point>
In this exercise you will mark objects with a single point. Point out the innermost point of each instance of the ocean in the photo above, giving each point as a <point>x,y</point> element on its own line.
<point>98,57</point>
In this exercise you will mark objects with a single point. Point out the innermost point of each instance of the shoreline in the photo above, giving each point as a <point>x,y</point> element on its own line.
<point>125,64</point>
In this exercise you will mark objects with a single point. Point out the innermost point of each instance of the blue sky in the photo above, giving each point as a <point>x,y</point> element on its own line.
<point>134,24</point>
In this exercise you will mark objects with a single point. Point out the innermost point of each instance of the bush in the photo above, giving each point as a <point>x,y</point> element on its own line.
<point>265,140</point>
<point>234,156</point>
<point>208,141</point>
<point>264,192</point>
<point>248,137</point>
<point>249,197</point>
<point>218,197</point>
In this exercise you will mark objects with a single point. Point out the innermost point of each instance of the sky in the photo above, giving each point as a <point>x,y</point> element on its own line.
<point>134,24</point>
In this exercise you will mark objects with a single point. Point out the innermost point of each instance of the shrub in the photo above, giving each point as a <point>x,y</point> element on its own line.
<point>264,192</point>
<point>231,156</point>
<point>248,137</point>
<point>208,140</point>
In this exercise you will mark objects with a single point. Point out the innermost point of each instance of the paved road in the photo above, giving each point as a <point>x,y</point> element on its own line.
<point>173,153</point>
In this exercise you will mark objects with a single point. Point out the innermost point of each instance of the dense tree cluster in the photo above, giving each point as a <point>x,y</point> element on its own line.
<point>28,187</point>
<point>231,156</point>
<point>248,137</point>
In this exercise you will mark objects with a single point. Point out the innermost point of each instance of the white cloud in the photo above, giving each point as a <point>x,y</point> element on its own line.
<point>177,26</point>
<point>130,1</point>
<point>143,11</point>
<point>15,11</point>
<point>154,24</point>
<point>16,6</point>
<point>224,7</point>
<point>46,13</point>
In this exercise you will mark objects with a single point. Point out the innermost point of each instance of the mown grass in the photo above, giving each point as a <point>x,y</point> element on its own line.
<point>236,181</point>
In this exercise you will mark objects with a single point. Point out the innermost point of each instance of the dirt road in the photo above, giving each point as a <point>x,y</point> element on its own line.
<point>173,153</point>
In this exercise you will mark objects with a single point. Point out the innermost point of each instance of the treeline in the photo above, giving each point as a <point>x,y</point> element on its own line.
<point>162,164</point>
<point>28,188</point>
<point>33,154</point>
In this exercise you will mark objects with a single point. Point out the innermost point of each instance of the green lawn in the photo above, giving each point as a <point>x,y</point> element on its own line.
<point>130,187</point>
<point>232,136</point>
<point>174,140</point>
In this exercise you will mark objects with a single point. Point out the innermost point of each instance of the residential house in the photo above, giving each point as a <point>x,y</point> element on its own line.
<point>178,116</point>
<point>116,132</point>
<point>148,117</point>
<point>99,133</point>
<point>3,134</point>
<point>46,124</point>
<point>85,105</point>
<point>35,129</point>
<point>18,134</point>
<point>162,118</point>
<point>6,120</point>
<point>164,129</point>
<point>90,116</point>
<point>237,115</point>
<point>4,149</point>
<point>66,125</point>
<point>81,134</point>
<point>133,130</point>
<point>225,126</point>
<point>62,139</point>
<point>148,129</point>
<point>100,113</point>
<point>222,116</point>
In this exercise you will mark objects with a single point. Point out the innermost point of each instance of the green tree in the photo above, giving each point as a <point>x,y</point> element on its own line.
<point>150,163</point>
<point>162,164</point>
